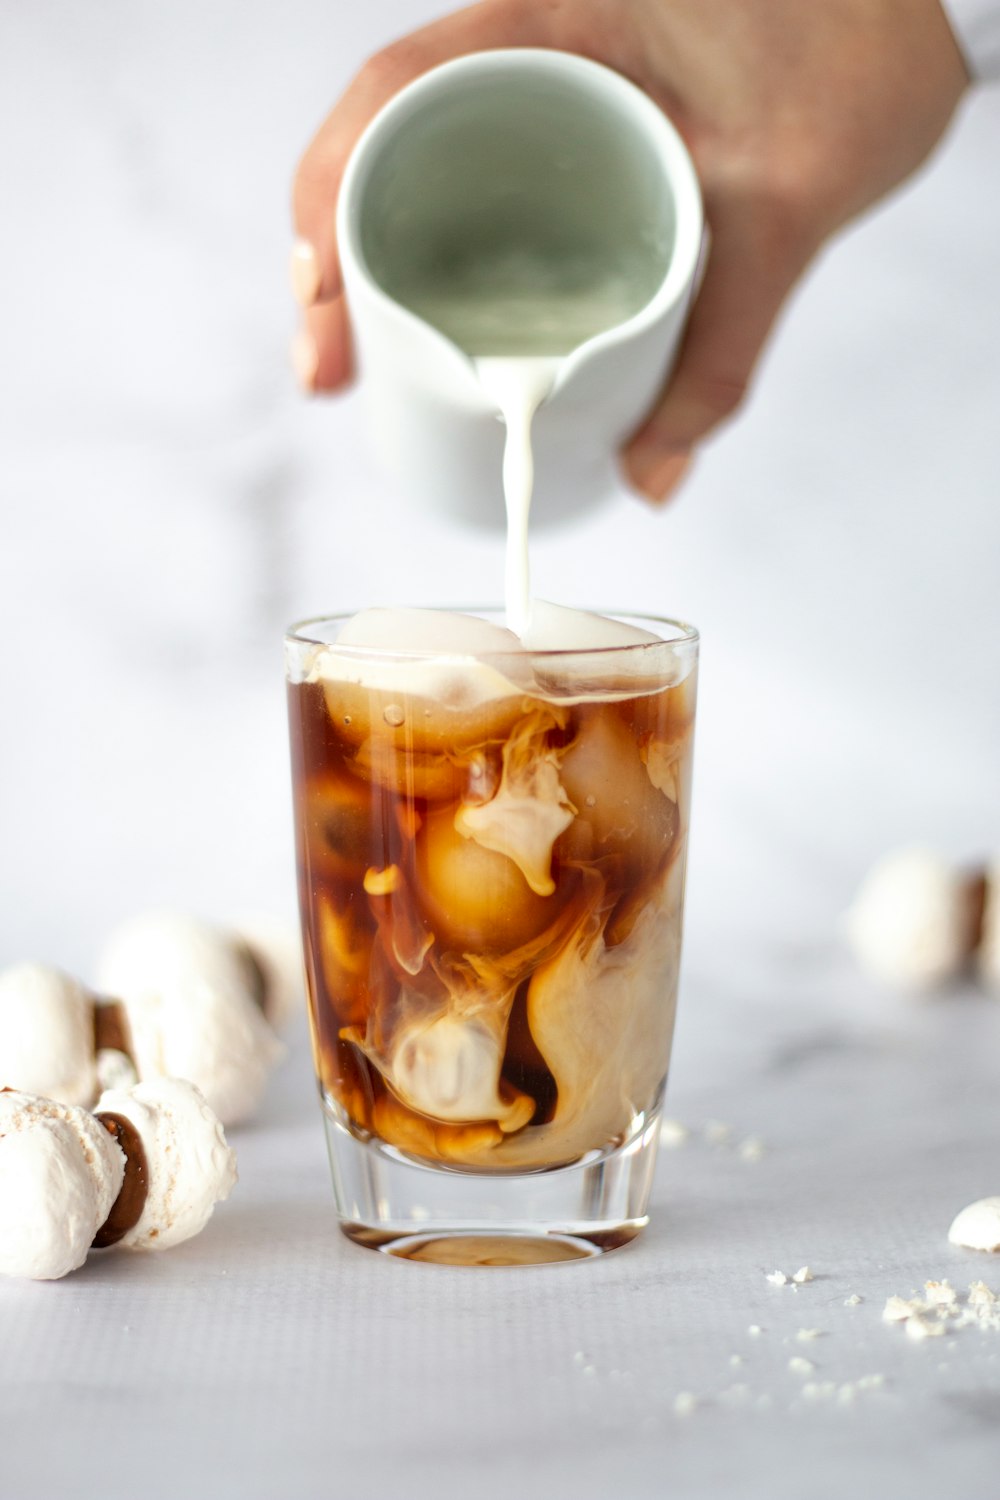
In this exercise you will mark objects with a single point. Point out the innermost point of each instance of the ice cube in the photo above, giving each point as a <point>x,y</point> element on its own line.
<point>475,899</point>
<point>436,632</point>
<point>618,809</point>
<point>554,627</point>
<point>456,660</point>
<point>450,1070</point>
<point>339,832</point>
<point>529,810</point>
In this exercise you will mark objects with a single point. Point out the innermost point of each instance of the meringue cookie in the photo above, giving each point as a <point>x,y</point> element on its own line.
<point>978,1226</point>
<point>909,923</point>
<point>275,945</point>
<point>190,1010</point>
<point>989,943</point>
<point>189,1166</point>
<point>60,1173</point>
<point>46,1034</point>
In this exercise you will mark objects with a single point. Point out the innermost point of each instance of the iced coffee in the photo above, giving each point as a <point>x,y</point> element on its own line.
<point>491,836</point>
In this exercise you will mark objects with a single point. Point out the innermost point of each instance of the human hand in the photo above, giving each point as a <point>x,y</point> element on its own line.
<point>798,117</point>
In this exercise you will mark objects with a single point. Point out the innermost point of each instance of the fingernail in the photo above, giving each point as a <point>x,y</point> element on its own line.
<point>304,273</point>
<point>305,359</point>
<point>656,472</point>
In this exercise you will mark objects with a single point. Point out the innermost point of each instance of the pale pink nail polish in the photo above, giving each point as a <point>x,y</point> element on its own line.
<point>304,273</point>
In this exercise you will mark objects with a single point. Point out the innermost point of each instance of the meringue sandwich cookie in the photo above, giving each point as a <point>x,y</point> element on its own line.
<point>919,922</point>
<point>144,1172</point>
<point>977,1227</point>
<point>188,1165</point>
<point>178,998</point>
<point>491,835</point>
<point>60,1175</point>
<point>47,1042</point>
<point>193,1005</point>
<point>57,1039</point>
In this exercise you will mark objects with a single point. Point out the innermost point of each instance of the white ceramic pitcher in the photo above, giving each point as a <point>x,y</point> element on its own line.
<point>549,156</point>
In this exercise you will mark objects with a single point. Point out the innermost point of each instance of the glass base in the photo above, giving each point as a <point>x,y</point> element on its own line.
<point>393,1203</point>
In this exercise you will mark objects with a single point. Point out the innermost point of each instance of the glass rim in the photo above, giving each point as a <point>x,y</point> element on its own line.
<point>302,633</point>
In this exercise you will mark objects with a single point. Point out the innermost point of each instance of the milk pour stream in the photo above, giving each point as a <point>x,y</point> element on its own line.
<point>518,386</point>
<point>517,318</point>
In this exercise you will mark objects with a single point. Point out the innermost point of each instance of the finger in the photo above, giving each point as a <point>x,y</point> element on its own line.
<point>321,350</point>
<point>757,255</point>
<point>315,271</point>
<point>657,476</point>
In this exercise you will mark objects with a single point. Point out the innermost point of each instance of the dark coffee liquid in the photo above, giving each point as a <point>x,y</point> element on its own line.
<point>491,906</point>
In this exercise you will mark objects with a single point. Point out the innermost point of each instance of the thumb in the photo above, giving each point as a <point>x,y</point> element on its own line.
<point>756,256</point>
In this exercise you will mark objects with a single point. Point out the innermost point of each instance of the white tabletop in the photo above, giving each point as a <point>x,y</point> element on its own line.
<point>168,502</point>
<point>271,1357</point>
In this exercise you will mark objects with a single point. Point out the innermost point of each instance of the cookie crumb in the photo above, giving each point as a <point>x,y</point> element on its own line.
<point>940,1294</point>
<point>897,1309</point>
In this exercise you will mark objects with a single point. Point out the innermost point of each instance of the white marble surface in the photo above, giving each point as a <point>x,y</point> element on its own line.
<point>270,1357</point>
<point>168,503</point>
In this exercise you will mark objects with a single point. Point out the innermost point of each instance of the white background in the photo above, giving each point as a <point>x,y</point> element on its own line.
<point>168,502</point>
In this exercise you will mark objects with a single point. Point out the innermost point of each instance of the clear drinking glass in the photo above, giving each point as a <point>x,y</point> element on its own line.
<point>491,857</point>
